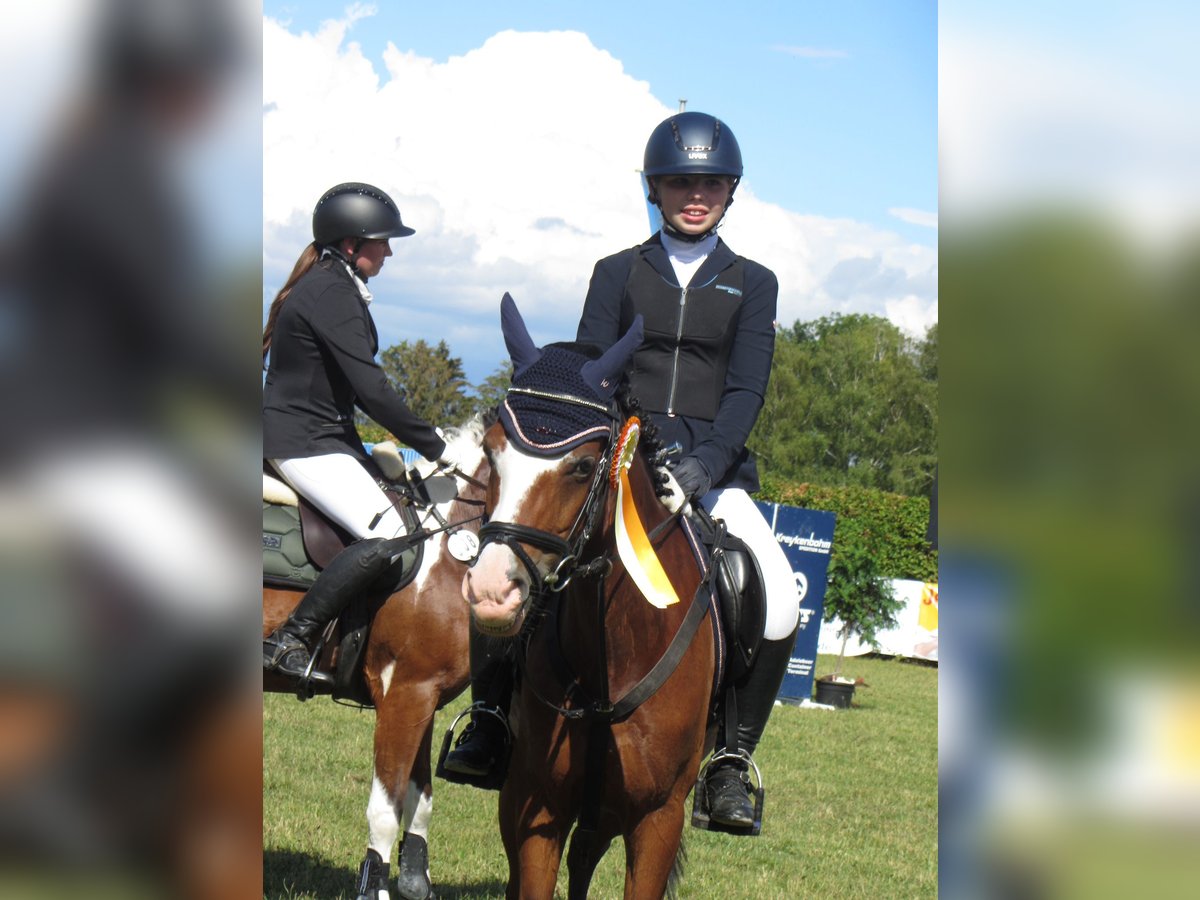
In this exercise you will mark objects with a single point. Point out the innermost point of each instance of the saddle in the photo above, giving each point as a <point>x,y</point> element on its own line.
<point>741,592</point>
<point>299,540</point>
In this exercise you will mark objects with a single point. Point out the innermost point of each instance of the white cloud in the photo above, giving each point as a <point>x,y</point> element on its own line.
<point>1027,120</point>
<point>920,217</point>
<point>516,163</point>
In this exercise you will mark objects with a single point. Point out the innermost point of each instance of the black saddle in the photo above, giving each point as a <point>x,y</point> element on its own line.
<point>741,591</point>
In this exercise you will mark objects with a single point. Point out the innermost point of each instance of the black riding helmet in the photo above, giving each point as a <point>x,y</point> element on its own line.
<point>357,210</point>
<point>691,143</point>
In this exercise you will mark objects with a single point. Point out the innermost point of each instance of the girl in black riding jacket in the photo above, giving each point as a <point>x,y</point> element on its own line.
<point>322,343</point>
<point>701,373</point>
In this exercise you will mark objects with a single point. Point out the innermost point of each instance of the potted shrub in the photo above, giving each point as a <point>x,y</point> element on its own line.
<point>859,596</point>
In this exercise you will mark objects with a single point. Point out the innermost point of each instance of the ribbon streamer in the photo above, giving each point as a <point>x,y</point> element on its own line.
<point>636,552</point>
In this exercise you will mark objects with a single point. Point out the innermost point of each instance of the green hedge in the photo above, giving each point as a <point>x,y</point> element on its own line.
<point>893,525</point>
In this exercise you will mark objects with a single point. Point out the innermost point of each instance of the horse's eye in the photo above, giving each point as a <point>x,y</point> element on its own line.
<point>584,467</point>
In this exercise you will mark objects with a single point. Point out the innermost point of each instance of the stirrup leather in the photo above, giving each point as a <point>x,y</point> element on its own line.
<point>700,806</point>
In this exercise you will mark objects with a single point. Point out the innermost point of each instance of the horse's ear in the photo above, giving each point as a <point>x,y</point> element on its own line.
<point>603,374</point>
<point>516,336</point>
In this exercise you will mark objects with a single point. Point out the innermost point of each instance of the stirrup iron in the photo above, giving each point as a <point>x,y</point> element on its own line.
<point>700,807</point>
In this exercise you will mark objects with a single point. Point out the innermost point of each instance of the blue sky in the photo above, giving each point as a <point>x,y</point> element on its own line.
<point>834,104</point>
<point>511,134</point>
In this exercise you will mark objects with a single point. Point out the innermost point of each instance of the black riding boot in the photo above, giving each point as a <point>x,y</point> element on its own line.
<point>484,740</point>
<point>728,783</point>
<point>354,569</point>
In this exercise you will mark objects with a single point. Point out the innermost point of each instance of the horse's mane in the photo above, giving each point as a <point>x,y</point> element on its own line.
<point>469,435</point>
<point>649,443</point>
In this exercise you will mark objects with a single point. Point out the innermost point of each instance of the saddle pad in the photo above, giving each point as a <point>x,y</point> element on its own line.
<point>284,557</point>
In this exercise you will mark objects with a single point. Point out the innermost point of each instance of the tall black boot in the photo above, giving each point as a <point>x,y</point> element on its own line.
<point>484,741</point>
<point>354,569</point>
<point>728,783</point>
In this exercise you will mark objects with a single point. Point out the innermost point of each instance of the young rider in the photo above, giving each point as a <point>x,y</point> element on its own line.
<point>701,373</point>
<point>322,343</point>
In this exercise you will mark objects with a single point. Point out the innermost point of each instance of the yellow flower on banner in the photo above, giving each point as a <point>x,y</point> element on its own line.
<point>633,545</point>
<point>928,616</point>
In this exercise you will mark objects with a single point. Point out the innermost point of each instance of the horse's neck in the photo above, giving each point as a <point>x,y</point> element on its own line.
<point>634,628</point>
<point>650,508</point>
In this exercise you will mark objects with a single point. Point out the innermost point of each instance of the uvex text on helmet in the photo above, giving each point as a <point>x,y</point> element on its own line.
<point>357,210</point>
<point>692,143</point>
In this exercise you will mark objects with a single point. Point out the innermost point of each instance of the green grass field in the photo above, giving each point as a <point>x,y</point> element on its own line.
<point>850,810</point>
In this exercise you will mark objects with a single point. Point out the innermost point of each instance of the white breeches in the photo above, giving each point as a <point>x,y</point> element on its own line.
<point>344,490</point>
<point>742,518</point>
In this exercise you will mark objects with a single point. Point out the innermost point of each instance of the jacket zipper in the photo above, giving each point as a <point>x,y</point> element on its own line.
<point>675,356</point>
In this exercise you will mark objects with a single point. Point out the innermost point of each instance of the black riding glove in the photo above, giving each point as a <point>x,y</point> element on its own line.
<point>692,477</point>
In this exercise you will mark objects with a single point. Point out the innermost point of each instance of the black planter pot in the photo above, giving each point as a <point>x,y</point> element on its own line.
<point>835,693</point>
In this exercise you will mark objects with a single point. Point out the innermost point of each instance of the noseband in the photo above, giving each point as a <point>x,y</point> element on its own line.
<point>569,549</point>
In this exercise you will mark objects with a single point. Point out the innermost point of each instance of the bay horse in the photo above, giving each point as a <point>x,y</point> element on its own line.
<point>611,712</point>
<point>415,662</point>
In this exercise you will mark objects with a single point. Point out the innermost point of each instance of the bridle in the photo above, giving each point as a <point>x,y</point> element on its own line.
<point>571,548</point>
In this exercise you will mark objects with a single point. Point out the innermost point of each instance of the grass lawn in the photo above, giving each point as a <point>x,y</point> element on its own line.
<point>850,809</point>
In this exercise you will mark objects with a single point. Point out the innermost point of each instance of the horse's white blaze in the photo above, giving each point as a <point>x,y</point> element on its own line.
<point>497,584</point>
<point>383,820</point>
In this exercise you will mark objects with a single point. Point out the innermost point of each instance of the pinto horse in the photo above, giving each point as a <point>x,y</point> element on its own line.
<point>415,662</point>
<point>611,712</point>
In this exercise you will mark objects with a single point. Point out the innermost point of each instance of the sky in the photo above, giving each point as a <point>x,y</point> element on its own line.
<point>511,134</point>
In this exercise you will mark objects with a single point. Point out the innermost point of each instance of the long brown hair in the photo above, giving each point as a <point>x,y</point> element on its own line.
<point>310,255</point>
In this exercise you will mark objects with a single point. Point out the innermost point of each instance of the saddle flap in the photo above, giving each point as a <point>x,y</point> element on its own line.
<point>743,600</point>
<point>323,538</point>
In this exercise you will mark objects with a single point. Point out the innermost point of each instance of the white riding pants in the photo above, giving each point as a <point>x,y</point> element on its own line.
<point>344,490</point>
<point>742,518</point>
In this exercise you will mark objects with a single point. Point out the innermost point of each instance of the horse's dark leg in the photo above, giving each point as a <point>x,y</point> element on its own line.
<point>587,848</point>
<point>651,850</point>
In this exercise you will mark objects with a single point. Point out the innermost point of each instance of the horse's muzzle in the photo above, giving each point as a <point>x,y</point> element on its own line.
<point>498,590</point>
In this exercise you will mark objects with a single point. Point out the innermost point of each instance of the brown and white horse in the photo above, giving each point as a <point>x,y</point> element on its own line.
<point>415,662</point>
<point>611,710</point>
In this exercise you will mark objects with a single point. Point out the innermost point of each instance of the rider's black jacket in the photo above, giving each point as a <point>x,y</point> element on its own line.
<point>703,367</point>
<point>322,365</point>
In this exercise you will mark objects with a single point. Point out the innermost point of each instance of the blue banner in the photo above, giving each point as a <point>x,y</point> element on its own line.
<point>806,536</point>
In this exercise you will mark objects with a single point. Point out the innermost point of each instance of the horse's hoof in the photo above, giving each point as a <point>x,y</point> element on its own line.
<point>372,878</point>
<point>412,883</point>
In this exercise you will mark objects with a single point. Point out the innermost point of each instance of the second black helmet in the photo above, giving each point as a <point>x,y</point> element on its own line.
<point>358,210</point>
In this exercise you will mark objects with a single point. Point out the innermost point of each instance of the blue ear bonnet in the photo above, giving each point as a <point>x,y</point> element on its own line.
<point>551,408</point>
<point>559,397</point>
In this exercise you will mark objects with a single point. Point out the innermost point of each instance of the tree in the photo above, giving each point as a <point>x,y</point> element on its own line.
<point>491,392</point>
<point>431,382</point>
<point>851,401</point>
<point>858,594</point>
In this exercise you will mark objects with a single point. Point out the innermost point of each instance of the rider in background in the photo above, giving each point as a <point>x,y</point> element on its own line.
<point>701,374</point>
<point>322,343</point>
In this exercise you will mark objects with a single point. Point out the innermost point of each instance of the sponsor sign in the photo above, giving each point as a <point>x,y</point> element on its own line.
<point>806,537</point>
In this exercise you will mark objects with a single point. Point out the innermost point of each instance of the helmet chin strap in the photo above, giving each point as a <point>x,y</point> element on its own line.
<point>685,236</point>
<point>350,260</point>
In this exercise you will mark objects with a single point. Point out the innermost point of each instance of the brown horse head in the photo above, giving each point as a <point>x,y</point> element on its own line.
<point>548,456</point>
